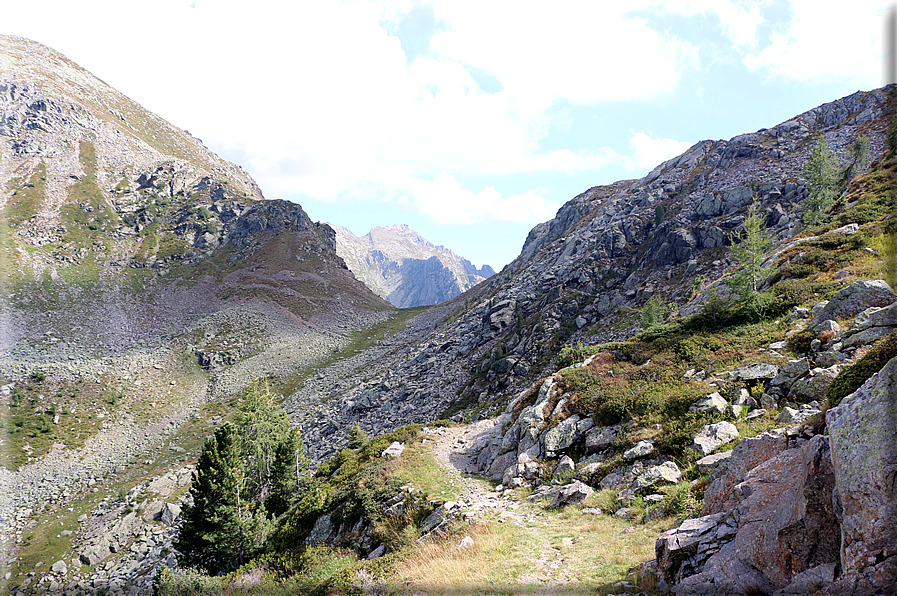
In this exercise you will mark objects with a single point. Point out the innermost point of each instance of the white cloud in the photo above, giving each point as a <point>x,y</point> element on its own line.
<point>825,42</point>
<point>444,201</point>
<point>739,19</point>
<point>649,152</point>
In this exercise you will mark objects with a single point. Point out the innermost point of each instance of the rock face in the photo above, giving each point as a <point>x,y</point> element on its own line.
<point>863,430</point>
<point>400,265</point>
<point>789,509</point>
<point>856,298</point>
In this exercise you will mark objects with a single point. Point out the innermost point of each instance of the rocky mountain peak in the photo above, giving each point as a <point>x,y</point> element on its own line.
<point>399,264</point>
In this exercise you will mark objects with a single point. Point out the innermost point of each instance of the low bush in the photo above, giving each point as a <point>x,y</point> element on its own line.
<point>853,378</point>
<point>799,343</point>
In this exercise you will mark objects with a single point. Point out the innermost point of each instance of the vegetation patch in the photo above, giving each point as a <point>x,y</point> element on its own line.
<point>858,373</point>
<point>27,196</point>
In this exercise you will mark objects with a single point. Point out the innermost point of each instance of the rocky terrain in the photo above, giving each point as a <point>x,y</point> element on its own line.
<point>147,283</point>
<point>400,265</point>
<point>583,275</point>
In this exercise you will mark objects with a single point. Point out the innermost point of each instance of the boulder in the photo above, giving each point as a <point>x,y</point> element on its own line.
<point>856,298</point>
<point>713,402</point>
<point>570,494</point>
<point>863,428</point>
<point>394,450</point>
<point>565,466</point>
<point>641,449</point>
<point>815,385</point>
<point>500,464</point>
<point>323,531</point>
<point>755,371</point>
<point>59,567</point>
<point>566,433</point>
<point>714,465</point>
<point>170,513</point>
<point>866,336</point>
<point>712,436</point>
<point>96,552</point>
<point>440,517</point>
<point>875,317</point>
<point>827,325</point>
<point>676,549</point>
<point>599,438</point>
<point>665,473</point>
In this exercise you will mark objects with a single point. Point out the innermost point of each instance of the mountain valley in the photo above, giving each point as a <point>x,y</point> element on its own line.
<point>617,383</point>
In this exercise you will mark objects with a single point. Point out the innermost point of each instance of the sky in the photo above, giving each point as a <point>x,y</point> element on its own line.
<point>470,121</point>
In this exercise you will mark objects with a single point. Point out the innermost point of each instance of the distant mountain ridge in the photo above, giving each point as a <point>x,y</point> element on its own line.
<point>405,268</point>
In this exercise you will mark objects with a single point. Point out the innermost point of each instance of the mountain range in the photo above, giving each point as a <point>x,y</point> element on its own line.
<point>403,267</point>
<point>147,283</point>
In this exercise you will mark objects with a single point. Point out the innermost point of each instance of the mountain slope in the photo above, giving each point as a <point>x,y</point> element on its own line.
<point>104,198</point>
<point>146,282</point>
<point>582,275</point>
<point>406,269</point>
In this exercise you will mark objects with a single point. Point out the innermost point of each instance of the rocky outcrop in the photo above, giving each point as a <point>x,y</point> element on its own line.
<point>854,299</point>
<point>794,515</point>
<point>864,456</point>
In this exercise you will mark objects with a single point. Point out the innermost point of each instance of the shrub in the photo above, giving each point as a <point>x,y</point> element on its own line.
<point>573,353</point>
<point>679,500</point>
<point>185,582</point>
<point>799,343</point>
<point>654,312</point>
<point>853,378</point>
<point>795,292</point>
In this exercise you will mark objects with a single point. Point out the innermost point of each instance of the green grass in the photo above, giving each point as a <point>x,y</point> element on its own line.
<point>87,214</point>
<point>28,196</point>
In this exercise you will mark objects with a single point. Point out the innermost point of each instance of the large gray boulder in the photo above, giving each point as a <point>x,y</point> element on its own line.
<point>712,436</point>
<point>756,371</point>
<point>570,494</point>
<point>856,298</point>
<point>566,433</point>
<point>599,438</point>
<point>665,473</point>
<point>713,402</point>
<point>814,386</point>
<point>863,431</point>
<point>170,513</point>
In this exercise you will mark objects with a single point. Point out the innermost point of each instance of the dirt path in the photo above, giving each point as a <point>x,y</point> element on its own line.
<point>456,449</point>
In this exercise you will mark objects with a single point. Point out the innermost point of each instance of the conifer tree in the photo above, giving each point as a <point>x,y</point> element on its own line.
<point>750,252</point>
<point>357,437</point>
<point>289,474</point>
<point>221,530</point>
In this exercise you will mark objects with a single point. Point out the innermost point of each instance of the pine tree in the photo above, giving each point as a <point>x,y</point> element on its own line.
<point>289,474</point>
<point>357,437</point>
<point>750,252</point>
<point>275,459</point>
<point>221,530</point>
<point>262,425</point>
